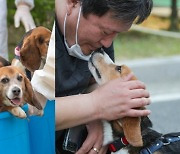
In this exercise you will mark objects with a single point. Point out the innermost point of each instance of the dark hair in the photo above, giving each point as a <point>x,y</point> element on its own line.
<point>125,10</point>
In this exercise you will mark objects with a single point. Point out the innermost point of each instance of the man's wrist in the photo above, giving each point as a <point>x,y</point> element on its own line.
<point>29,3</point>
<point>23,6</point>
<point>95,106</point>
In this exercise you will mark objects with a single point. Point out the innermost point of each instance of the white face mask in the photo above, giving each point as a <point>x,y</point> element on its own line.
<point>75,50</point>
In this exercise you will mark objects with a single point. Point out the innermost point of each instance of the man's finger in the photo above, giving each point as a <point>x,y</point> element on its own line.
<point>138,113</point>
<point>139,93</point>
<point>140,102</point>
<point>16,21</point>
<point>86,146</point>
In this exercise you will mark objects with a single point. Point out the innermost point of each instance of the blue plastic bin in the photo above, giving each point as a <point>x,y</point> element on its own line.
<point>35,135</point>
<point>42,131</point>
<point>14,134</point>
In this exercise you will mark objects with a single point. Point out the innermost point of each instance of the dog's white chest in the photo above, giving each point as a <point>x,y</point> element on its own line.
<point>123,151</point>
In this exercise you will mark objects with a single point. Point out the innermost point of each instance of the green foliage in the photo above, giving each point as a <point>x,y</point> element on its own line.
<point>43,12</point>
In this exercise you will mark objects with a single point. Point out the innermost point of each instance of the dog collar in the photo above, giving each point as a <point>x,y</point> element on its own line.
<point>17,55</point>
<point>163,141</point>
<point>17,51</point>
<point>118,144</point>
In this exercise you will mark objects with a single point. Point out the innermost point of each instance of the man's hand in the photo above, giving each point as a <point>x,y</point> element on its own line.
<point>94,139</point>
<point>120,98</point>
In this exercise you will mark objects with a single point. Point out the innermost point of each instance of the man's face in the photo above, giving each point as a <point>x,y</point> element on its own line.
<point>95,32</point>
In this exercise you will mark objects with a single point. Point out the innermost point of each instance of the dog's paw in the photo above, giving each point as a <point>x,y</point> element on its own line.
<point>34,111</point>
<point>18,112</point>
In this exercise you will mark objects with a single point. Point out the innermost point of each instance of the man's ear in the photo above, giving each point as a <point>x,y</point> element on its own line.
<point>70,5</point>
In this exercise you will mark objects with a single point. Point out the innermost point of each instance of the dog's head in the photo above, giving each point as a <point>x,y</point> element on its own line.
<point>103,68</point>
<point>33,48</point>
<point>15,88</point>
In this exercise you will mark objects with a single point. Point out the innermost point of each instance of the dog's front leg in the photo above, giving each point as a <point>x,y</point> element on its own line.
<point>17,111</point>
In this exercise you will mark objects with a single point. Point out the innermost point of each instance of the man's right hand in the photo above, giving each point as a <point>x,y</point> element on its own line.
<point>119,98</point>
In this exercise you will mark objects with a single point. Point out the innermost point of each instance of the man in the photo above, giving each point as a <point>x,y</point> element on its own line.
<point>82,26</point>
<point>22,14</point>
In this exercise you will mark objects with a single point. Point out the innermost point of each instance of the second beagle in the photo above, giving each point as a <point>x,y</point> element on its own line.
<point>32,50</point>
<point>15,91</point>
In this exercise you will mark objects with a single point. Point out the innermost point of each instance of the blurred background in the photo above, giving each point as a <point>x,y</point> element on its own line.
<point>152,51</point>
<point>147,39</point>
<point>43,14</point>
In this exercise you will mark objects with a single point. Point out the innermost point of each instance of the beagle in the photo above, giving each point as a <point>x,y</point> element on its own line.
<point>32,49</point>
<point>103,69</point>
<point>15,90</point>
<point>135,135</point>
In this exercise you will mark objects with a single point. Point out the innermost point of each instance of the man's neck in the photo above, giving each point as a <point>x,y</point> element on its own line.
<point>60,8</point>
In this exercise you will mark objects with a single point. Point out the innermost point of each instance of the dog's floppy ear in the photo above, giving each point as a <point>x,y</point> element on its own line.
<point>4,62</point>
<point>29,95</point>
<point>29,54</point>
<point>1,97</point>
<point>131,125</point>
<point>42,38</point>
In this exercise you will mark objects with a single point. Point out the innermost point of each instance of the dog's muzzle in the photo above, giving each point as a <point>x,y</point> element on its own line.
<point>16,91</point>
<point>91,61</point>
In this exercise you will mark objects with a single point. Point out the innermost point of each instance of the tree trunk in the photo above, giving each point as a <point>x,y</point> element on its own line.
<point>174,16</point>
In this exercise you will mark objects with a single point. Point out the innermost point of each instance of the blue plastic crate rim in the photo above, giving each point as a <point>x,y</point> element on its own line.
<point>7,114</point>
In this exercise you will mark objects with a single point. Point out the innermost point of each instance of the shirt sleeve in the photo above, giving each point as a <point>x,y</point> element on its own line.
<point>43,81</point>
<point>28,2</point>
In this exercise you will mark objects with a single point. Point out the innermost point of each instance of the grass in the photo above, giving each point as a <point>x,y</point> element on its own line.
<point>135,45</point>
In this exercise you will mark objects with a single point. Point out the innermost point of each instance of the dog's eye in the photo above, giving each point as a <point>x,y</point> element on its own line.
<point>19,78</point>
<point>118,68</point>
<point>47,43</point>
<point>5,80</point>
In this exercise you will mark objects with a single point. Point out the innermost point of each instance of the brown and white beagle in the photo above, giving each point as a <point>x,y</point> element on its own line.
<point>15,91</point>
<point>103,69</point>
<point>132,135</point>
<point>32,50</point>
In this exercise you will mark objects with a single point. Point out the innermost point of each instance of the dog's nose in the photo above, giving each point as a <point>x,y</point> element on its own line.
<point>16,91</point>
<point>100,50</point>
